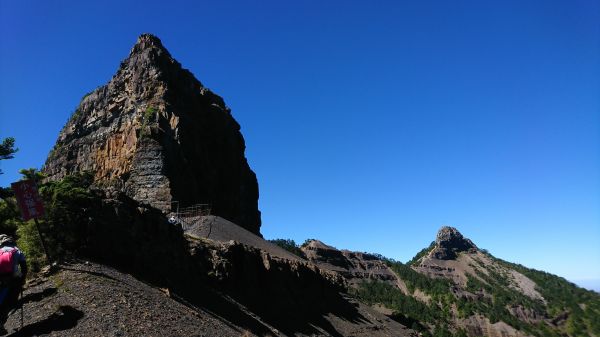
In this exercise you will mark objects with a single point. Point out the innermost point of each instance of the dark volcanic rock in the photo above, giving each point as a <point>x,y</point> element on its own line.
<point>449,242</point>
<point>156,133</point>
<point>318,252</point>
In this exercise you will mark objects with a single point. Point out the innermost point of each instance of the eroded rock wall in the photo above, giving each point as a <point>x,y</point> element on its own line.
<point>157,134</point>
<point>355,267</point>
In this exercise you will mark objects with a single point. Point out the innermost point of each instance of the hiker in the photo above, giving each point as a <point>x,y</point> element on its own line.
<point>13,271</point>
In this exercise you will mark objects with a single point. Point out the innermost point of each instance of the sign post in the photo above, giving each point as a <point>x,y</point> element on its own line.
<point>31,205</point>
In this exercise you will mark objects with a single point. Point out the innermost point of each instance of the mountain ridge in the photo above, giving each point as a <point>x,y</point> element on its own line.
<point>454,288</point>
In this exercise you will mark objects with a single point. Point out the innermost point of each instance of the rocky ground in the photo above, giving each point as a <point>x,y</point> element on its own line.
<point>86,299</point>
<point>90,299</point>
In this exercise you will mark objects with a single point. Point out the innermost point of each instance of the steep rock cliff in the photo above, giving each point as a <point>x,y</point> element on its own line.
<point>157,134</point>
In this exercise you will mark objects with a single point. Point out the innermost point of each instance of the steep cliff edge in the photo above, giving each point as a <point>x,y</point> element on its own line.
<point>157,134</point>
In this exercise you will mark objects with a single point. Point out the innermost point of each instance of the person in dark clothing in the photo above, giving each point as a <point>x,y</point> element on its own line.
<point>13,272</point>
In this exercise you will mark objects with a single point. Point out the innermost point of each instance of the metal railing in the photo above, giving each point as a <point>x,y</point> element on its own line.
<point>188,216</point>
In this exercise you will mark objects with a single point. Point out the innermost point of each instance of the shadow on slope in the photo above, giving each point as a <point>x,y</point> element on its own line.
<point>36,297</point>
<point>64,318</point>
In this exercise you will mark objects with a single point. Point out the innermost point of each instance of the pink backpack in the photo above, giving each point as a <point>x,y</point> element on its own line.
<point>7,261</point>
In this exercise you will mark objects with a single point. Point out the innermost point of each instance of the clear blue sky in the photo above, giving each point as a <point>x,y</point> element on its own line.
<point>369,125</point>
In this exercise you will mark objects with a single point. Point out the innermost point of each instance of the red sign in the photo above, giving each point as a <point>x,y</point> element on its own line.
<point>28,199</point>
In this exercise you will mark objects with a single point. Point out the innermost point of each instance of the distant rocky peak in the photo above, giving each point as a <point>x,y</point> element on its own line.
<point>448,242</point>
<point>450,237</point>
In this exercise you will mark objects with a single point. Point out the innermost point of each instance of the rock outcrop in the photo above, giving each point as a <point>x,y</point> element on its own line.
<point>355,267</point>
<point>449,242</point>
<point>157,134</point>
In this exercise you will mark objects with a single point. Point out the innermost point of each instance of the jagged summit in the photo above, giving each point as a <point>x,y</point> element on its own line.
<point>149,53</point>
<point>157,134</point>
<point>449,241</point>
<point>147,40</point>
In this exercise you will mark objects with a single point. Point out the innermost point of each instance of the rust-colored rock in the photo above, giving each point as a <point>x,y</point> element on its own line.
<point>156,133</point>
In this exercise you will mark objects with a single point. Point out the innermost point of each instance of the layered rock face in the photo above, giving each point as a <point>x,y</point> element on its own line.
<point>449,242</point>
<point>353,266</point>
<point>157,134</point>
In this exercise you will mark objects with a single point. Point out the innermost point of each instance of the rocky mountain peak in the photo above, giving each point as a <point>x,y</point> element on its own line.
<point>151,66</point>
<point>149,51</point>
<point>449,241</point>
<point>146,41</point>
<point>157,134</point>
